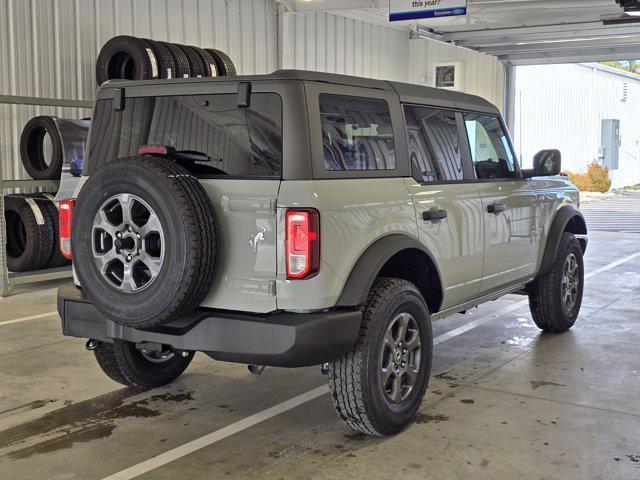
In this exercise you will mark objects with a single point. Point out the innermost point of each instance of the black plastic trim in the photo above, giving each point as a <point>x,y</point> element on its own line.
<point>277,339</point>
<point>370,263</point>
<point>558,227</point>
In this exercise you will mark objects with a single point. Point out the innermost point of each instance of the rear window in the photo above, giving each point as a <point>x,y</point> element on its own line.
<point>356,133</point>
<point>240,142</point>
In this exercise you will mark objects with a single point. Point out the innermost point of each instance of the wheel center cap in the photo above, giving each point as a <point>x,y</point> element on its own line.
<point>127,243</point>
<point>398,356</point>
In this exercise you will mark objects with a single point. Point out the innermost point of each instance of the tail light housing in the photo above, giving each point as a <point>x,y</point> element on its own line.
<point>66,213</point>
<point>302,243</point>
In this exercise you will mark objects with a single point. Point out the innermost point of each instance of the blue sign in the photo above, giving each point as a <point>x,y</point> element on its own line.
<point>414,9</point>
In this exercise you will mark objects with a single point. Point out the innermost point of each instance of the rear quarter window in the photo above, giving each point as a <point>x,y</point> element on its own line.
<point>356,133</point>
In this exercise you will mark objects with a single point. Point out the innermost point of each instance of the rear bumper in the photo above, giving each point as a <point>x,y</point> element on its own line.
<point>277,339</point>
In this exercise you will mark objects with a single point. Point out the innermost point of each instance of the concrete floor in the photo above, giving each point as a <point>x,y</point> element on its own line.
<point>505,401</point>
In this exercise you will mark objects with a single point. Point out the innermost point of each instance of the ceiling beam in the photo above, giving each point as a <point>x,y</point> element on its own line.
<point>573,55</point>
<point>454,36</point>
<point>567,34</point>
<point>633,41</point>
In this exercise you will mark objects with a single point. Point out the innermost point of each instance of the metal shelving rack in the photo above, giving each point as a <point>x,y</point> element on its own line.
<point>7,279</point>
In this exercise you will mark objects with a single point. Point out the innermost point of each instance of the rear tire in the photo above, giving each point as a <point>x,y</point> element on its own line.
<point>363,382</point>
<point>555,298</point>
<point>125,364</point>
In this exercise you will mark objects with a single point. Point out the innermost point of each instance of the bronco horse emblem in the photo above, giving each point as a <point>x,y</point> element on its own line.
<point>257,239</point>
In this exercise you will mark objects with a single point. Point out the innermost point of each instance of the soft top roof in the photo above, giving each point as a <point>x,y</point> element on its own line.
<point>408,93</point>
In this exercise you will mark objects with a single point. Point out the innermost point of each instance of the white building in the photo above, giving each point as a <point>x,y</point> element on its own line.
<point>563,106</point>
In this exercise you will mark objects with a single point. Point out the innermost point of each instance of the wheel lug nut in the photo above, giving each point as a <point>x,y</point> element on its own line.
<point>119,234</point>
<point>404,350</point>
<point>129,258</point>
<point>404,364</point>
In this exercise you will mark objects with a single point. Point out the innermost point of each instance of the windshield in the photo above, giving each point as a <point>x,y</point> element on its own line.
<point>239,142</point>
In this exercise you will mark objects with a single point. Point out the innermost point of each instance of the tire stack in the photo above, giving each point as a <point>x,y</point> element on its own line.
<point>32,219</point>
<point>32,232</point>
<point>133,58</point>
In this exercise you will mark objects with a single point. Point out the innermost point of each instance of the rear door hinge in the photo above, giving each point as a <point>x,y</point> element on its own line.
<point>272,287</point>
<point>273,205</point>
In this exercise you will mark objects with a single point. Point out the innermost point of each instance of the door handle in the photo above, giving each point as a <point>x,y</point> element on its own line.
<point>434,215</point>
<point>496,208</point>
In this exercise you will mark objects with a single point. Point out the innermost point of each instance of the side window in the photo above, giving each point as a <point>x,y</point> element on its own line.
<point>356,133</point>
<point>490,151</point>
<point>434,144</point>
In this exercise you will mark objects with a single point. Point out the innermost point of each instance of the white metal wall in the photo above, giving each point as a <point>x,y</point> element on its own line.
<point>562,106</point>
<point>336,44</point>
<point>48,48</point>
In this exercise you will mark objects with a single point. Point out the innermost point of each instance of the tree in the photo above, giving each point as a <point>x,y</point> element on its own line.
<point>632,66</point>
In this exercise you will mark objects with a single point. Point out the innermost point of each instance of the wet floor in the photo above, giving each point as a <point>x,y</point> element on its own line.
<point>505,401</point>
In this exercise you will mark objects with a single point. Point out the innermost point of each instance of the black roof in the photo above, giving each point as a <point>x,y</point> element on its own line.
<point>409,93</point>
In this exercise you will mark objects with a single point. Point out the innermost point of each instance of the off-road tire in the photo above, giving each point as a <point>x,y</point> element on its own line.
<point>123,363</point>
<point>354,378</point>
<point>210,68</point>
<point>187,216</point>
<point>180,60</point>
<point>196,67</point>
<point>545,291</point>
<point>223,63</point>
<point>29,234</point>
<point>47,204</point>
<point>124,57</point>
<point>32,148</point>
<point>166,65</point>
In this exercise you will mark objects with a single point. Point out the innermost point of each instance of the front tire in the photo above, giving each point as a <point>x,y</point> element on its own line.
<point>124,363</point>
<point>555,298</point>
<point>378,387</point>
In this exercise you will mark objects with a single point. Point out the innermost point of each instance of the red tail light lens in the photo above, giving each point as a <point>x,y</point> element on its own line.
<point>66,213</point>
<point>303,243</point>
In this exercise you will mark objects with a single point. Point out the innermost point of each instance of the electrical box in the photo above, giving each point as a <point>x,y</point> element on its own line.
<point>610,143</point>
<point>450,76</point>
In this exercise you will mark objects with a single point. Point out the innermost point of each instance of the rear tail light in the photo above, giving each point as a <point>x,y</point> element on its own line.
<point>66,213</point>
<point>303,243</point>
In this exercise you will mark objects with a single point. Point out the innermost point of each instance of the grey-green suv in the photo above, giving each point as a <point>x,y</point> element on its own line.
<point>303,218</point>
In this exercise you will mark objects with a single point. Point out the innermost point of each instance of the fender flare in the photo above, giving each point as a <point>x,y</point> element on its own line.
<point>370,263</point>
<point>563,217</point>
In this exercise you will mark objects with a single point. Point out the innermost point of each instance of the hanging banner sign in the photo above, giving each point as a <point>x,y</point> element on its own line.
<point>414,9</point>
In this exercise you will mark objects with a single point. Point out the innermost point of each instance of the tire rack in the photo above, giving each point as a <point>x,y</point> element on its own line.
<point>7,279</point>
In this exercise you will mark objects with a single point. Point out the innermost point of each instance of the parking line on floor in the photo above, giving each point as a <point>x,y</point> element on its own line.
<point>253,420</point>
<point>26,319</point>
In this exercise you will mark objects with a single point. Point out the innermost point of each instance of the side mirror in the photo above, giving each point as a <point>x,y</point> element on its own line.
<point>547,163</point>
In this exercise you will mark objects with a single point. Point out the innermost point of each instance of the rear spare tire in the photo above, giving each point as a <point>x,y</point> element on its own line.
<point>144,241</point>
<point>40,163</point>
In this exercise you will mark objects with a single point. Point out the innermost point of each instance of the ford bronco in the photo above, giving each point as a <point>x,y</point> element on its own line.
<point>303,218</point>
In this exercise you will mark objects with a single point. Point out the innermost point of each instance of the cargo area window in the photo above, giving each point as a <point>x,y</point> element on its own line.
<point>433,144</point>
<point>490,150</point>
<point>356,133</point>
<point>239,141</point>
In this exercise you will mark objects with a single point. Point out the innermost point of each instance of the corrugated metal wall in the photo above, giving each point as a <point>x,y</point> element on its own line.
<point>327,42</point>
<point>48,49</point>
<point>562,106</point>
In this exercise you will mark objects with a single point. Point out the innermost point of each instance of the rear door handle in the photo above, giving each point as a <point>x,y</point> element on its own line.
<point>434,215</point>
<point>496,208</point>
